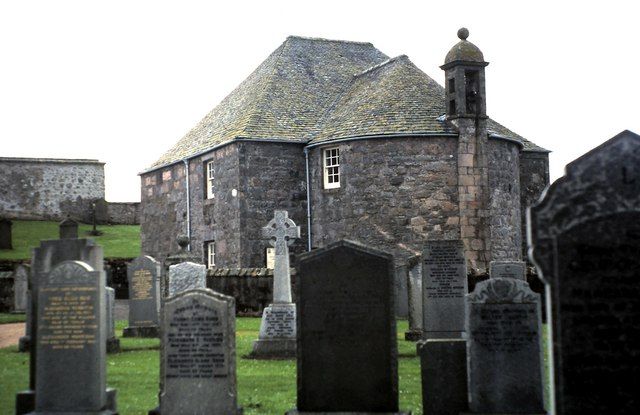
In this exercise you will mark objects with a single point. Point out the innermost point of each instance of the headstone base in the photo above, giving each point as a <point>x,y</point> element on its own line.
<point>413,335</point>
<point>437,335</point>
<point>143,331</point>
<point>24,344</point>
<point>26,403</point>
<point>296,412</point>
<point>277,338</point>
<point>113,345</point>
<point>486,413</point>
<point>443,366</point>
<point>156,411</point>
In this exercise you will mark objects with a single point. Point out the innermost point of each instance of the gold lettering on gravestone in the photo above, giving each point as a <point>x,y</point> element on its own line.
<point>446,281</point>
<point>141,285</point>
<point>69,318</point>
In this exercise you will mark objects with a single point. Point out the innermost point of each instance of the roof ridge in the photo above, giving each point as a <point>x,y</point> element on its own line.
<point>320,39</point>
<point>381,64</point>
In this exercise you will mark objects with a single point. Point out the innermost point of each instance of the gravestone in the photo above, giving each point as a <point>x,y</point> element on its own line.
<point>401,290</point>
<point>113,343</point>
<point>20,288</point>
<point>347,352</point>
<point>143,276</point>
<point>68,229</point>
<point>414,293</point>
<point>24,343</point>
<point>186,276</point>
<point>504,348</point>
<point>444,285</point>
<point>5,234</point>
<point>277,337</point>
<point>71,339</point>
<point>584,237</point>
<point>508,269</point>
<point>44,258</point>
<point>198,354</point>
<point>183,255</point>
<point>443,369</point>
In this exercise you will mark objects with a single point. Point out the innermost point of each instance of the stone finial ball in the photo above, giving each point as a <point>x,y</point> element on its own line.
<point>463,33</point>
<point>183,241</point>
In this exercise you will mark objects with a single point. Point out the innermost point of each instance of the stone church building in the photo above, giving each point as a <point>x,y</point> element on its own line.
<point>353,144</point>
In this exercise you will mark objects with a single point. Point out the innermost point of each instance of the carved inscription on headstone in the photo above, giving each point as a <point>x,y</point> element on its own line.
<point>444,287</point>
<point>198,354</point>
<point>282,322</point>
<point>141,285</point>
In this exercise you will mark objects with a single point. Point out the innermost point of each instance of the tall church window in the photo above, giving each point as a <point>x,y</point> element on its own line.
<point>331,164</point>
<point>210,182</point>
<point>211,254</point>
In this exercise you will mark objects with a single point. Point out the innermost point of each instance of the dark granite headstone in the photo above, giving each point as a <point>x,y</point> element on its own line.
<point>347,356</point>
<point>43,260</point>
<point>198,357</point>
<point>68,229</point>
<point>444,285</point>
<point>5,234</point>
<point>113,343</point>
<point>414,291</point>
<point>20,288</point>
<point>143,275</point>
<point>584,237</point>
<point>71,339</point>
<point>443,368</point>
<point>504,348</point>
<point>508,269</point>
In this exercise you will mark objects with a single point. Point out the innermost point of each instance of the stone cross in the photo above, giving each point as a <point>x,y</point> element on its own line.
<point>282,232</point>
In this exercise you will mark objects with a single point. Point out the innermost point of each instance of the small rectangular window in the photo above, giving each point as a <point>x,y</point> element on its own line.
<point>211,254</point>
<point>271,258</point>
<point>331,164</point>
<point>209,184</point>
<point>452,107</point>
<point>452,85</point>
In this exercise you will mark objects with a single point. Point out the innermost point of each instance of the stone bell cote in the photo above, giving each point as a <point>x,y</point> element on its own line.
<point>464,80</point>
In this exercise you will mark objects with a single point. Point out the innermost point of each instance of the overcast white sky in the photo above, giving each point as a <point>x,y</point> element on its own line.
<point>122,81</point>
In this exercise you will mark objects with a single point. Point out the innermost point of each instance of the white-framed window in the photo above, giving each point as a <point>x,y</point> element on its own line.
<point>331,167</point>
<point>271,258</point>
<point>210,188</point>
<point>211,254</point>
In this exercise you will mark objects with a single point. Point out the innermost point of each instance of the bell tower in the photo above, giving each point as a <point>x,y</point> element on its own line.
<point>466,109</point>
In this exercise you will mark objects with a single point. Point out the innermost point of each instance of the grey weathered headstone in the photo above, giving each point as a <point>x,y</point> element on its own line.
<point>444,285</point>
<point>198,354</point>
<point>113,343</point>
<point>24,343</point>
<point>182,255</point>
<point>68,229</point>
<point>347,349</point>
<point>43,260</point>
<point>584,237</point>
<point>5,234</point>
<point>186,276</point>
<point>70,342</point>
<point>443,367</point>
<point>20,288</point>
<point>508,269</point>
<point>401,290</point>
<point>277,338</point>
<point>504,348</point>
<point>143,275</point>
<point>414,291</point>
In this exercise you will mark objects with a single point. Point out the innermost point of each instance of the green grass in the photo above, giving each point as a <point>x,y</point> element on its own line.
<point>264,387</point>
<point>6,318</point>
<point>117,240</point>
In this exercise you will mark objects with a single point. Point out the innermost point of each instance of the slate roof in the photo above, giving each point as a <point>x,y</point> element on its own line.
<point>314,90</point>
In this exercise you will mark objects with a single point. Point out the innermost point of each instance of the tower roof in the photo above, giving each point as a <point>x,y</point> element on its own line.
<point>464,51</point>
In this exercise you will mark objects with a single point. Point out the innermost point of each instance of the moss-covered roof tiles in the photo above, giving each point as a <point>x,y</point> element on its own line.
<point>313,90</point>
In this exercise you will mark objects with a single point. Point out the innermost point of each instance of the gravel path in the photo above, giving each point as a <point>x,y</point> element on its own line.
<point>10,334</point>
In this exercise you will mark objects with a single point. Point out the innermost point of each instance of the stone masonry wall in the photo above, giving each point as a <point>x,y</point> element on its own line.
<point>504,199</point>
<point>394,194</point>
<point>273,177</point>
<point>49,189</point>
<point>123,213</point>
<point>162,210</point>
<point>534,178</point>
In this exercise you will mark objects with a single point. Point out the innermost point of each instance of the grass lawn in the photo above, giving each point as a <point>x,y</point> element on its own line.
<point>264,387</point>
<point>6,318</point>
<point>117,240</point>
